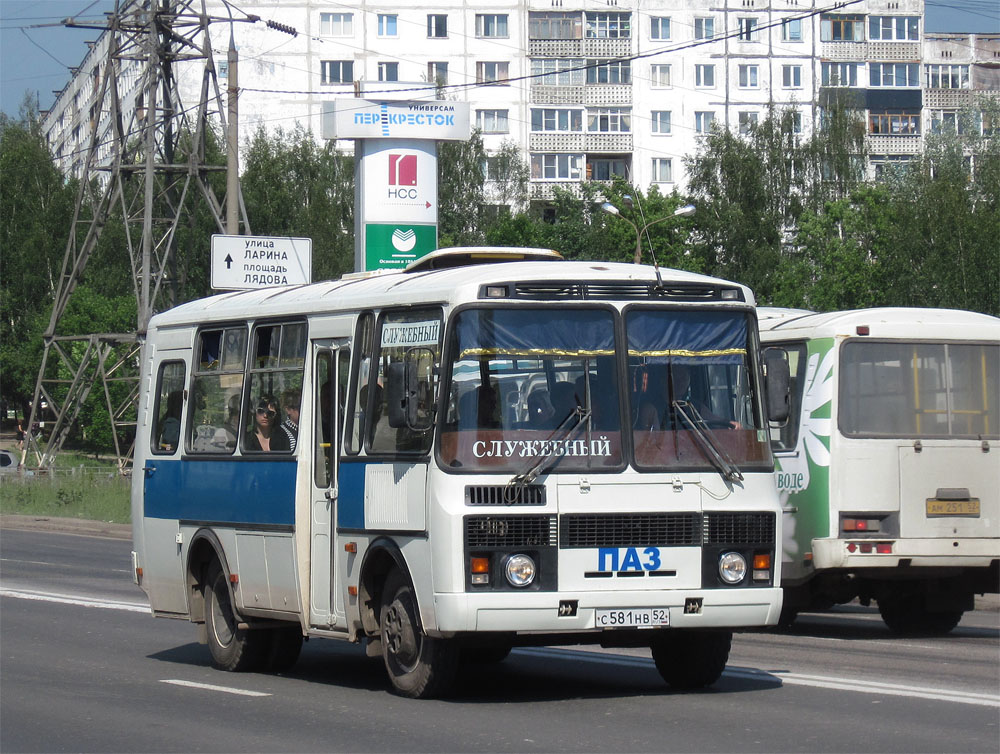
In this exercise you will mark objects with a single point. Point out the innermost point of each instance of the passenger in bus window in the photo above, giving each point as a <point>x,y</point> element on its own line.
<point>266,434</point>
<point>170,430</point>
<point>290,400</point>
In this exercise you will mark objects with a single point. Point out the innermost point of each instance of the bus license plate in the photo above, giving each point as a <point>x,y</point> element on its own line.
<point>642,617</point>
<point>953,507</point>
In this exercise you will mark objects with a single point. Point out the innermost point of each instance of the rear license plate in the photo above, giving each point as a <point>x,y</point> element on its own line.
<point>953,508</point>
<point>635,617</point>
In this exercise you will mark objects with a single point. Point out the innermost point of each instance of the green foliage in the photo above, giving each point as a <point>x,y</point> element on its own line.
<point>461,196</point>
<point>81,492</point>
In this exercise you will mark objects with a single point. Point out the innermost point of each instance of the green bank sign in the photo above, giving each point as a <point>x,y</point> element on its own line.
<point>391,246</point>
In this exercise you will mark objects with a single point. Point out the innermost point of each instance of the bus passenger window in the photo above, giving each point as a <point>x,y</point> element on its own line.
<point>217,390</point>
<point>356,403</point>
<point>166,434</point>
<point>277,364</point>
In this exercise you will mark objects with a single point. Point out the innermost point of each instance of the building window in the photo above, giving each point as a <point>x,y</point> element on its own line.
<point>946,121</point>
<point>609,120</point>
<point>437,72</point>
<point>556,119</point>
<point>388,71</point>
<point>704,75</point>
<point>556,167</point>
<point>894,123</point>
<point>748,29</point>
<point>747,119</point>
<point>661,121</point>
<point>748,76</point>
<point>791,30</point>
<point>840,74</point>
<point>796,122</point>
<point>704,28</point>
<point>489,72</point>
<point>336,71</point>
<point>663,170</point>
<point>387,25</point>
<point>492,121</point>
<point>894,74</point>
<point>659,75</point>
<point>604,169</point>
<point>703,122</point>
<point>791,76</point>
<point>558,71</point>
<point>659,27</point>
<point>609,72</point>
<point>491,25</point>
<point>437,25</point>
<point>835,28</point>
<point>947,76</point>
<point>608,26</point>
<point>894,28</point>
<point>336,24</point>
<point>555,26</point>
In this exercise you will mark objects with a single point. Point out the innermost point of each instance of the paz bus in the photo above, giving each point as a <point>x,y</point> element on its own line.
<point>463,469</point>
<point>889,468</point>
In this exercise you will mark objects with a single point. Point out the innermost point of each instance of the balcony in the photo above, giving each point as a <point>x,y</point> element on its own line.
<point>888,144</point>
<point>948,98</point>
<point>556,95</point>
<point>859,51</point>
<point>545,190</point>
<point>579,48</point>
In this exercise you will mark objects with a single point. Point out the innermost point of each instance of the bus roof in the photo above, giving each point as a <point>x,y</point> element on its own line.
<point>527,281</point>
<point>886,322</point>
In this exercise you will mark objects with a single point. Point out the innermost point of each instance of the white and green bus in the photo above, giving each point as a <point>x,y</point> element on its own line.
<point>889,467</point>
<point>446,462</point>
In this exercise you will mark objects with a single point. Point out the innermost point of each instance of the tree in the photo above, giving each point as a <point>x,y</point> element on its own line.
<point>461,192</point>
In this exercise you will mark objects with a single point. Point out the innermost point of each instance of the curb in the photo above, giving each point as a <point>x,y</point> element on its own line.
<point>67,526</point>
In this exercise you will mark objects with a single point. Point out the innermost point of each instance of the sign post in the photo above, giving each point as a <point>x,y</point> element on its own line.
<point>248,262</point>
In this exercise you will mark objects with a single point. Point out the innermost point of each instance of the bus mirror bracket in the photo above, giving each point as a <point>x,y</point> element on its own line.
<point>776,384</point>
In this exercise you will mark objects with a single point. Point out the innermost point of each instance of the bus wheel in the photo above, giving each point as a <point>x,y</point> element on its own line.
<point>232,648</point>
<point>418,666</point>
<point>284,646</point>
<point>689,659</point>
<point>908,617</point>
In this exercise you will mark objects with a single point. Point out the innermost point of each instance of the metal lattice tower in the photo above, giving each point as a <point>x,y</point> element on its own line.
<point>145,163</point>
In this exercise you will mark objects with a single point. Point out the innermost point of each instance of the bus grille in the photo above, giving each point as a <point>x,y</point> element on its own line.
<point>497,494</point>
<point>739,528</point>
<point>509,531</point>
<point>629,529</point>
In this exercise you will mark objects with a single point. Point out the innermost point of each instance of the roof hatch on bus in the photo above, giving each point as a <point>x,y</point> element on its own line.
<point>464,256</point>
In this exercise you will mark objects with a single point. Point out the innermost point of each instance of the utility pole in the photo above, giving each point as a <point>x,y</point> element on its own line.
<point>132,159</point>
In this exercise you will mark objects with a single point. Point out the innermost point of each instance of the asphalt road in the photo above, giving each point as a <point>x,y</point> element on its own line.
<point>83,667</point>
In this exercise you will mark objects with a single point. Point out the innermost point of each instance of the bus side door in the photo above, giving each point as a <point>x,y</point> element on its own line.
<point>330,362</point>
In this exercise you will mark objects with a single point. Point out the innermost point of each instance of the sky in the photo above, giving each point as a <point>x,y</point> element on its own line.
<point>36,51</point>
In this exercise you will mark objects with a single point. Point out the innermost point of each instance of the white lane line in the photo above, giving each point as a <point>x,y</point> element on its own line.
<point>780,677</point>
<point>210,687</point>
<point>68,599</point>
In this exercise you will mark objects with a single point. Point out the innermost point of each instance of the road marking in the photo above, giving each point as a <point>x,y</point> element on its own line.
<point>210,687</point>
<point>784,677</point>
<point>57,565</point>
<point>68,599</point>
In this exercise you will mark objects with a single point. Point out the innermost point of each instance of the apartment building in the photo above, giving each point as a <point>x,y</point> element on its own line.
<point>586,89</point>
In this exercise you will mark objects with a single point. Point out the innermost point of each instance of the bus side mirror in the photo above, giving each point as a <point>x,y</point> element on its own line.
<point>776,384</point>
<point>411,390</point>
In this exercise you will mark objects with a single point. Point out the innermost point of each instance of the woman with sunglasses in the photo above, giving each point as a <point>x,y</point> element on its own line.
<point>266,434</point>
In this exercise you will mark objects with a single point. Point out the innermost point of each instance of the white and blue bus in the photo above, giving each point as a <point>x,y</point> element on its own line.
<point>888,468</point>
<point>492,448</point>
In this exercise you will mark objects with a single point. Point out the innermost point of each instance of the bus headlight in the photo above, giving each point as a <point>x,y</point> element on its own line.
<point>732,567</point>
<point>520,570</point>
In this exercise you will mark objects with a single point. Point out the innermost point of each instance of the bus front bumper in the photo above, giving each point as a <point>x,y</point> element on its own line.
<point>566,612</point>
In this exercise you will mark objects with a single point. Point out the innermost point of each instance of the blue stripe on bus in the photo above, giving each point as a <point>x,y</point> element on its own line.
<point>351,496</point>
<point>254,492</point>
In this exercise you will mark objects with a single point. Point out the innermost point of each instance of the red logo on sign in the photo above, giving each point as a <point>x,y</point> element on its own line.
<point>402,170</point>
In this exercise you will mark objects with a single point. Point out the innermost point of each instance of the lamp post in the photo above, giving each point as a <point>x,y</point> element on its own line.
<point>685,211</point>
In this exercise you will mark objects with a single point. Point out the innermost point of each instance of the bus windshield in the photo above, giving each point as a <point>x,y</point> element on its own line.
<point>520,382</point>
<point>690,371</point>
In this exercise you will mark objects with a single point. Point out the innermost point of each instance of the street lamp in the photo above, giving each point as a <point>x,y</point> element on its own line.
<point>685,211</point>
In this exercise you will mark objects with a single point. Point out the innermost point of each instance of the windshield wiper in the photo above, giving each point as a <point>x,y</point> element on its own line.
<point>566,428</point>
<point>727,468</point>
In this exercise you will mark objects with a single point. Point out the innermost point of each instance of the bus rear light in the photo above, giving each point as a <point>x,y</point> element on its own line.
<point>884,548</point>
<point>866,548</point>
<point>851,547</point>
<point>479,568</point>
<point>860,524</point>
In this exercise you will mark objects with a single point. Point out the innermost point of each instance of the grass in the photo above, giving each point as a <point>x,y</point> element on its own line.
<point>79,487</point>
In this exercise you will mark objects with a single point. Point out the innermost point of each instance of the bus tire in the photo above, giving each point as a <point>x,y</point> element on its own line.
<point>418,666</point>
<point>232,648</point>
<point>909,617</point>
<point>691,659</point>
<point>284,646</point>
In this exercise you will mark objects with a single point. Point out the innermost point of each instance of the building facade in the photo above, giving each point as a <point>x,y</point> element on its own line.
<point>585,89</point>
